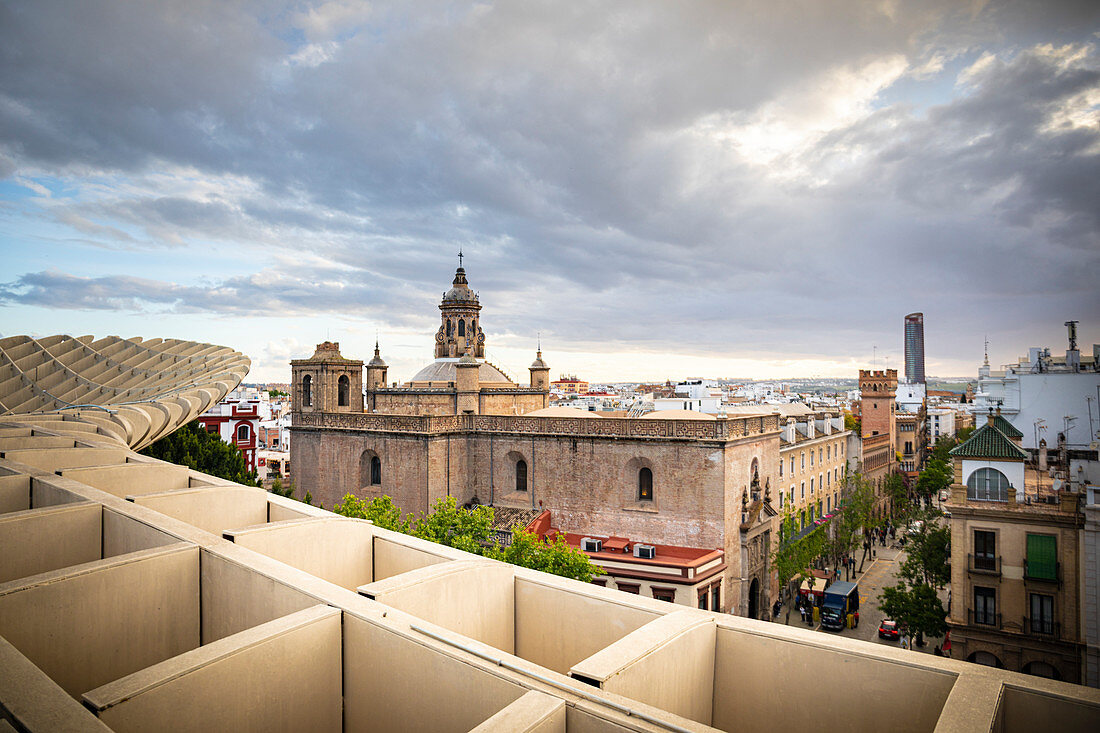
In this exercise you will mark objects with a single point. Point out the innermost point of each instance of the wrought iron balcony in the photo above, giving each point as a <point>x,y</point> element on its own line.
<point>983,619</point>
<point>1043,572</point>
<point>984,564</point>
<point>1042,627</point>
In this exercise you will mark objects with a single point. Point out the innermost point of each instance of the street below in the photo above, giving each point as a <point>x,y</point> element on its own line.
<point>878,572</point>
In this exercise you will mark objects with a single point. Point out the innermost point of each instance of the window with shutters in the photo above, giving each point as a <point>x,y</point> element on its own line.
<point>1042,557</point>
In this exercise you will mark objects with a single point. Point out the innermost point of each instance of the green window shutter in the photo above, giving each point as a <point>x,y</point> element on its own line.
<point>1042,557</point>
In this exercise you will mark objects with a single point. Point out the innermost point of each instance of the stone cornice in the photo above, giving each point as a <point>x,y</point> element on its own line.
<point>718,430</point>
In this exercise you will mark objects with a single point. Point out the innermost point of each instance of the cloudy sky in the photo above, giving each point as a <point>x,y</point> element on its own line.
<point>661,189</point>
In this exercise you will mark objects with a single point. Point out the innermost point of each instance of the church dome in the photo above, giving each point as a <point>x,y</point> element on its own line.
<point>446,370</point>
<point>460,290</point>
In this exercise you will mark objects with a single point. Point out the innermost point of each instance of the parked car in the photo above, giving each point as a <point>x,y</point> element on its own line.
<point>888,629</point>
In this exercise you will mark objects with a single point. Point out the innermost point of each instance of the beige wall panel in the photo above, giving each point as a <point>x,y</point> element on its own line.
<point>87,627</point>
<point>39,540</point>
<point>394,683</point>
<point>45,494</point>
<point>123,535</point>
<point>535,712</point>
<point>280,513</point>
<point>337,550</point>
<point>282,676</point>
<point>56,460</point>
<point>752,672</point>
<point>213,509</point>
<point>393,558</point>
<point>132,478</point>
<point>1026,710</point>
<point>36,441</point>
<point>15,493</point>
<point>473,598</point>
<point>668,663</point>
<point>586,717</point>
<point>235,598</point>
<point>35,701</point>
<point>557,628</point>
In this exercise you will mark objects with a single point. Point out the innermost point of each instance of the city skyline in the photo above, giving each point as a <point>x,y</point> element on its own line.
<point>657,191</point>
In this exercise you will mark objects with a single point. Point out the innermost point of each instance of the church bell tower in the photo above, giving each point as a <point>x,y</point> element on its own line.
<point>459,333</point>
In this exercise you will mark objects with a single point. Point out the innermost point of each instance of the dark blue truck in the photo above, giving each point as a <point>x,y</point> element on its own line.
<point>840,600</point>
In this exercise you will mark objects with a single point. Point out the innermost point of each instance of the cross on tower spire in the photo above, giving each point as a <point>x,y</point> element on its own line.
<point>460,257</point>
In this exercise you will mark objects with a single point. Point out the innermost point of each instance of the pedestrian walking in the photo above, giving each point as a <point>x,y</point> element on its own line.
<point>802,611</point>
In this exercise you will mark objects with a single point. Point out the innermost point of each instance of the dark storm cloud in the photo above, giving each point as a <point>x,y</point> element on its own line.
<point>587,156</point>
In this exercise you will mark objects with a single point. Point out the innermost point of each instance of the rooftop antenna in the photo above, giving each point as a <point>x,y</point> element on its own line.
<point>986,350</point>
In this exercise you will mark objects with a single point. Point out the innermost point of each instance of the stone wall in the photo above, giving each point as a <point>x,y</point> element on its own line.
<point>585,471</point>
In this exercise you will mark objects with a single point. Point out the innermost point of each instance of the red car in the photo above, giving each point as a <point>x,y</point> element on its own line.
<point>888,629</point>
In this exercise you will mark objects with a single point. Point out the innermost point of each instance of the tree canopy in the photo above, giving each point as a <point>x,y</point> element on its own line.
<point>471,530</point>
<point>916,607</point>
<point>928,552</point>
<point>199,450</point>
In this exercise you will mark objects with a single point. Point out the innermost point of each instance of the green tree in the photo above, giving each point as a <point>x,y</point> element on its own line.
<point>898,493</point>
<point>937,475</point>
<point>199,450</point>
<point>851,422</point>
<point>916,607</point>
<point>455,526</point>
<point>794,555</point>
<point>278,488</point>
<point>471,530</point>
<point>380,510</point>
<point>928,553</point>
<point>528,550</point>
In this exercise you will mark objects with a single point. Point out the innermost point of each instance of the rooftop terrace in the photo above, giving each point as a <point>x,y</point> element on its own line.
<point>138,595</point>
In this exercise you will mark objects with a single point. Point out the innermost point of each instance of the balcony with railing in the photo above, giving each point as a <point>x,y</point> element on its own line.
<point>983,618</point>
<point>1042,626</point>
<point>984,564</point>
<point>1043,572</point>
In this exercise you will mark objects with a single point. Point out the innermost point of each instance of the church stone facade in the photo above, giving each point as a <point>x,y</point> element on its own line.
<point>456,429</point>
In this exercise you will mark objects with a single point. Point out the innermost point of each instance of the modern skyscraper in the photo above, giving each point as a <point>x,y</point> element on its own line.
<point>914,347</point>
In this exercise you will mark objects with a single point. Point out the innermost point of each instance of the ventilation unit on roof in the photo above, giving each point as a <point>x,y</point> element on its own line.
<point>646,552</point>
<point>589,544</point>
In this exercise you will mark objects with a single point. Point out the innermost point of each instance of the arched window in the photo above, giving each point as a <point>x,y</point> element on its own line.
<point>645,485</point>
<point>450,327</point>
<point>521,475</point>
<point>987,484</point>
<point>343,391</point>
<point>307,392</point>
<point>375,471</point>
<point>462,328</point>
<point>242,432</point>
